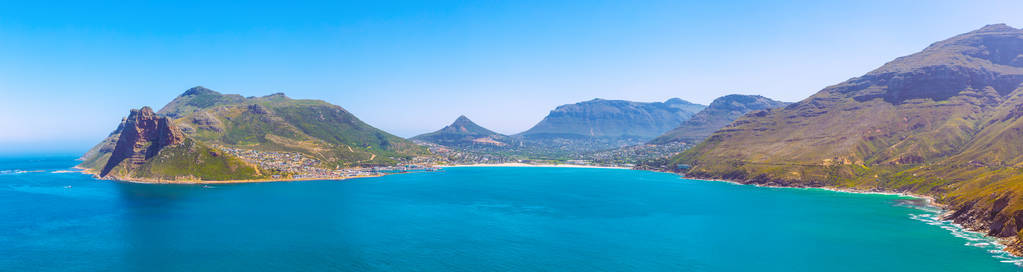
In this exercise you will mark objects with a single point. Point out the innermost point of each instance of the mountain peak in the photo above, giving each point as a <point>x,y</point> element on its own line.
<point>721,112</point>
<point>991,56</point>
<point>462,132</point>
<point>145,110</point>
<point>995,28</point>
<point>676,100</point>
<point>462,124</point>
<point>277,95</point>
<point>199,90</point>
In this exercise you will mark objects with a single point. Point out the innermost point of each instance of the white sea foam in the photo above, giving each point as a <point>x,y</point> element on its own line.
<point>18,172</point>
<point>974,239</point>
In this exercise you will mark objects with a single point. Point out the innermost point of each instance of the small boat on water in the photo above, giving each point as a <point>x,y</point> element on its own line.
<point>67,187</point>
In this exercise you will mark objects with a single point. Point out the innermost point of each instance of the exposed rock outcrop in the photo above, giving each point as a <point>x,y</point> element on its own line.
<point>142,136</point>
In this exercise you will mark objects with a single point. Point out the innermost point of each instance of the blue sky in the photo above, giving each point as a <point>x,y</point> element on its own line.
<point>70,71</point>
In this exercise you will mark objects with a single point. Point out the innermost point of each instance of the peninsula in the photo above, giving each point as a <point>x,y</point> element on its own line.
<point>205,136</point>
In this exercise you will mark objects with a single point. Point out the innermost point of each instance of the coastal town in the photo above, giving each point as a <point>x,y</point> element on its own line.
<point>294,165</point>
<point>298,166</point>
<point>455,156</point>
<point>624,157</point>
<point>630,156</point>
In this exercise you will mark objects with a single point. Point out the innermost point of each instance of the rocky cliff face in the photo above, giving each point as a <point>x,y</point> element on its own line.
<point>142,135</point>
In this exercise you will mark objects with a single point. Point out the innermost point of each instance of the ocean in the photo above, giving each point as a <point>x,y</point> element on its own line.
<point>467,219</point>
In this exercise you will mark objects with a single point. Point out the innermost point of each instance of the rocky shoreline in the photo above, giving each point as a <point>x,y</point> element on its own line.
<point>964,216</point>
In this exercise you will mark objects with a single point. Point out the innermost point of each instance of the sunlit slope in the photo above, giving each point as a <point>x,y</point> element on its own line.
<point>944,121</point>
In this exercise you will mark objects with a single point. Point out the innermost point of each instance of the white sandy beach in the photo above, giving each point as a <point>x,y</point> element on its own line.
<point>515,164</point>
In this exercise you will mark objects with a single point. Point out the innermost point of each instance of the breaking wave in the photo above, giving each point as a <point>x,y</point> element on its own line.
<point>973,239</point>
<point>15,172</point>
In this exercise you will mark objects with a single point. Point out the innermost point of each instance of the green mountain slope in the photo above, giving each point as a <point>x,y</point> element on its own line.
<point>274,124</point>
<point>151,148</point>
<point>942,122</point>
<point>721,112</point>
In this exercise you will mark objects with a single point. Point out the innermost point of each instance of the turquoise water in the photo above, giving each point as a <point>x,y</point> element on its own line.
<point>466,219</point>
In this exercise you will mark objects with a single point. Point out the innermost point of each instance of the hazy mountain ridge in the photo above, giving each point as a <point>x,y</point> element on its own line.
<point>721,112</point>
<point>615,118</point>
<point>942,122</point>
<point>600,124</point>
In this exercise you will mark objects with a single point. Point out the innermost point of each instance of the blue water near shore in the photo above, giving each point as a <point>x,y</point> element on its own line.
<point>466,219</point>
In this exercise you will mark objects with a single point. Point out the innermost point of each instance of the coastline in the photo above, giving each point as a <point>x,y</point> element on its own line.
<point>514,164</point>
<point>160,181</point>
<point>1010,245</point>
<point>930,201</point>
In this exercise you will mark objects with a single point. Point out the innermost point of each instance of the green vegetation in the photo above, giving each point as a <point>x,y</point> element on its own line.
<point>273,123</point>
<point>194,161</point>
<point>312,127</point>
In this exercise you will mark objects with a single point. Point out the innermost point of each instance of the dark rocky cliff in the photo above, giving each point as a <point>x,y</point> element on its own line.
<point>142,136</point>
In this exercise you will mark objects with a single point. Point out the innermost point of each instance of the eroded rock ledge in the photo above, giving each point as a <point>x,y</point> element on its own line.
<point>142,136</point>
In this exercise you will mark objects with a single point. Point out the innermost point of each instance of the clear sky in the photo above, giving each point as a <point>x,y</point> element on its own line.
<point>70,71</point>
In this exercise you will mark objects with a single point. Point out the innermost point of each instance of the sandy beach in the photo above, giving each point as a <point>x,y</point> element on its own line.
<point>531,165</point>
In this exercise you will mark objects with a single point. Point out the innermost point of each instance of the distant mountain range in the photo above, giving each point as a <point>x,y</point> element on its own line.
<point>464,133</point>
<point>603,124</point>
<point>614,119</point>
<point>721,112</point>
<point>190,126</point>
<point>573,130</point>
<point>944,122</point>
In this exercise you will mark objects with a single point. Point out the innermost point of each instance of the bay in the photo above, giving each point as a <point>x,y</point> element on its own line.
<point>467,219</point>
